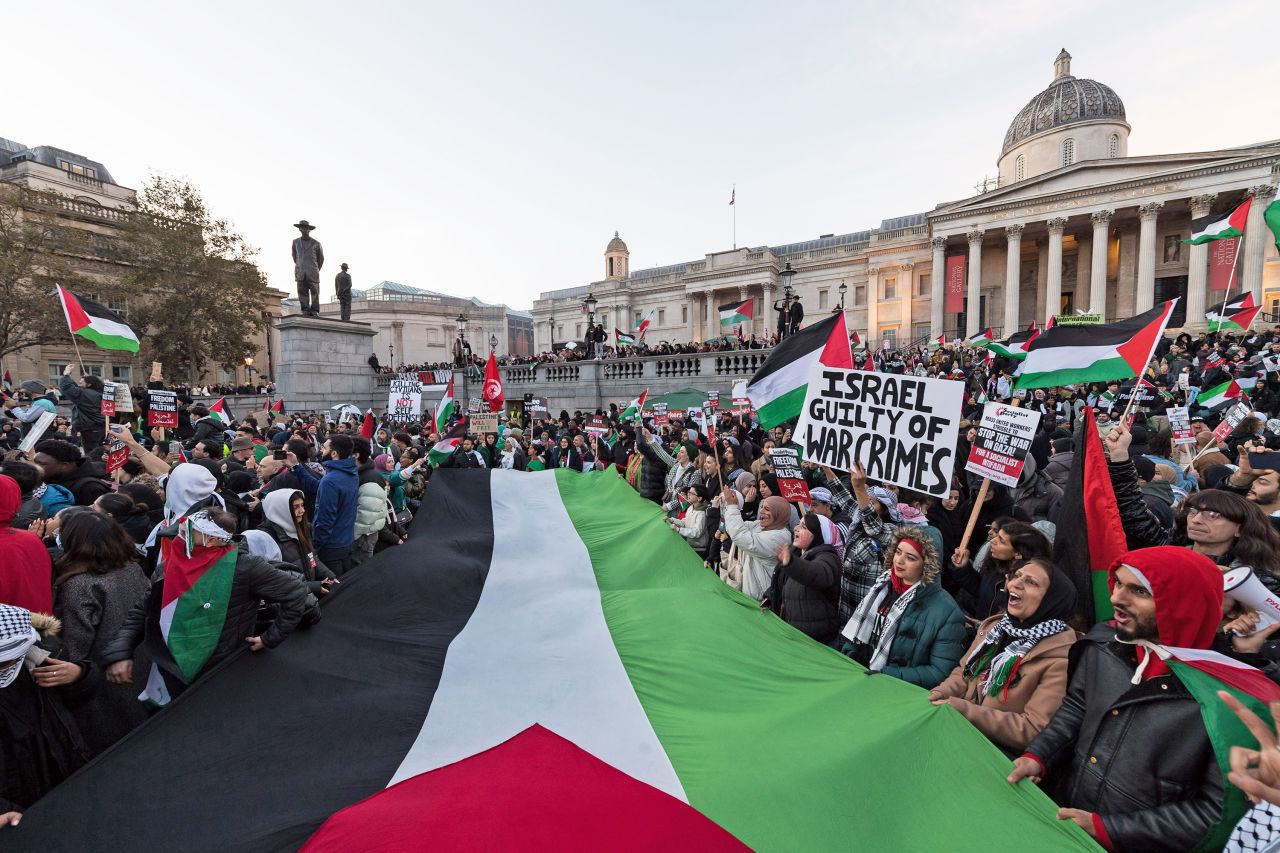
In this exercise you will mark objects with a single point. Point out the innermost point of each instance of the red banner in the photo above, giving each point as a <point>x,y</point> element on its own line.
<point>955,284</point>
<point>117,455</point>
<point>1222,257</point>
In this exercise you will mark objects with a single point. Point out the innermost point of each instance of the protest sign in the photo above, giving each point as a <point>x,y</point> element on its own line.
<point>741,402</point>
<point>786,465</point>
<point>1271,363</point>
<point>1141,392</point>
<point>473,405</point>
<point>1000,449</point>
<point>1077,319</point>
<point>108,399</point>
<point>1184,380</point>
<point>597,426</point>
<point>660,414</point>
<point>483,422</point>
<point>676,413</point>
<point>37,430</point>
<point>1180,424</point>
<point>117,455</point>
<point>902,429</point>
<point>162,411</point>
<point>713,400</point>
<point>404,402</point>
<point>1231,420</point>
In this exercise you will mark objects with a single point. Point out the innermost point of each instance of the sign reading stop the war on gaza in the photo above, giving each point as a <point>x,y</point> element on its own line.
<point>902,429</point>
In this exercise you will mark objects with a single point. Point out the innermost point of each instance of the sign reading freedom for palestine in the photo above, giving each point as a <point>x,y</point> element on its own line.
<point>902,429</point>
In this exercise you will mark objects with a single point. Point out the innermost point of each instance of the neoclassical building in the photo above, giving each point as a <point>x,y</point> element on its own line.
<point>1072,224</point>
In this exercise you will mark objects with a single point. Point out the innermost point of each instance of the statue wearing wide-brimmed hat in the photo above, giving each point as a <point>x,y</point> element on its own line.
<point>308,258</point>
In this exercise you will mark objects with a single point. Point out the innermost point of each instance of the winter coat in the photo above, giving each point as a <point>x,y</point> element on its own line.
<point>1141,528</point>
<point>1011,721</point>
<point>1059,467</point>
<point>87,482</point>
<point>930,638</point>
<point>254,581</point>
<point>758,549</point>
<point>1158,496</point>
<point>1138,756</point>
<point>30,509</point>
<point>804,592</point>
<point>54,498</point>
<point>26,575</point>
<point>335,519</point>
<point>86,405</point>
<point>93,608</point>
<point>653,471</point>
<point>310,569</point>
<point>371,501</point>
<point>693,527</point>
<point>678,480</point>
<point>208,428</point>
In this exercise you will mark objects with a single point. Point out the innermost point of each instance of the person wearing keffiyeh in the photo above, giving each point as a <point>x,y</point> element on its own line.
<point>1014,676</point>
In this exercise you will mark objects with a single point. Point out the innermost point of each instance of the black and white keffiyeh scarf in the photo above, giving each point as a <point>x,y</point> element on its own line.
<point>866,615</point>
<point>16,638</point>
<point>997,660</point>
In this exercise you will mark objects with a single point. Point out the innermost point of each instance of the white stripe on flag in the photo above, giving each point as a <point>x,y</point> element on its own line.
<point>110,327</point>
<point>537,650</point>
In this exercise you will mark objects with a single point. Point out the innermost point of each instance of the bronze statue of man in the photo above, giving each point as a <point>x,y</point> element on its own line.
<point>342,284</point>
<point>308,258</point>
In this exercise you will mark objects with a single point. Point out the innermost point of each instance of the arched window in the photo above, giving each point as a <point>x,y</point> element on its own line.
<point>1068,151</point>
<point>611,266</point>
<point>1020,167</point>
<point>1113,145</point>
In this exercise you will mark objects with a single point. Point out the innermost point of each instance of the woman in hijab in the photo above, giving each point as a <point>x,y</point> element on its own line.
<point>1014,676</point>
<point>806,580</point>
<point>769,488</point>
<point>286,523</point>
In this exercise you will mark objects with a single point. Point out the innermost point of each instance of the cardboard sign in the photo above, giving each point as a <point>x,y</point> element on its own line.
<point>1184,380</point>
<point>404,402</point>
<point>163,409</point>
<point>37,430</point>
<point>902,429</point>
<point>483,422</point>
<point>1231,420</point>
<point>1271,363</point>
<point>1180,424</point>
<point>597,426</point>
<point>117,455</point>
<point>108,399</point>
<point>660,417</point>
<point>473,405</point>
<point>999,451</point>
<point>786,464</point>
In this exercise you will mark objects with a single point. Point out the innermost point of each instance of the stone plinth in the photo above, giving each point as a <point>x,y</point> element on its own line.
<point>324,363</point>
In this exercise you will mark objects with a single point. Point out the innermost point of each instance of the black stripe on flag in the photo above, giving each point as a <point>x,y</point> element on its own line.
<point>260,753</point>
<point>1092,336</point>
<point>795,347</point>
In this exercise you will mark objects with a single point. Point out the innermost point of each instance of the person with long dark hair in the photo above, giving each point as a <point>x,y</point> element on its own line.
<point>122,509</point>
<point>1014,543</point>
<point>286,523</point>
<point>99,582</point>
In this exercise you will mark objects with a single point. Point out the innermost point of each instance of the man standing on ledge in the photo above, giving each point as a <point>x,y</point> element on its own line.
<point>342,284</point>
<point>308,258</point>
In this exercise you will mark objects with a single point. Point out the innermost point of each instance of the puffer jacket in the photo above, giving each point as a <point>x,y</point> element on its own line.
<point>371,501</point>
<point>1142,529</point>
<point>255,580</point>
<point>653,472</point>
<point>1137,756</point>
<point>804,592</point>
<point>930,638</point>
<point>1059,467</point>
<point>208,428</point>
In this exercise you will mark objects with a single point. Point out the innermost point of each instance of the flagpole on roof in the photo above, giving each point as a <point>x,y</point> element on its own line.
<point>733,202</point>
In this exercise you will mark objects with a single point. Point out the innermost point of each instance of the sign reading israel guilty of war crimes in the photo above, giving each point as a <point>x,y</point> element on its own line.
<point>902,429</point>
<point>1004,436</point>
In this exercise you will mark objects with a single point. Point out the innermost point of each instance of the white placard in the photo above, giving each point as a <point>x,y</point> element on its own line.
<point>1004,436</point>
<point>404,402</point>
<point>37,430</point>
<point>1180,424</point>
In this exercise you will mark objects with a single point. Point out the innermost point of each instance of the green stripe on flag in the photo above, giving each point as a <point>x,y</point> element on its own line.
<point>784,408</point>
<point>196,628</point>
<point>1104,370</point>
<point>113,342</point>
<point>781,740</point>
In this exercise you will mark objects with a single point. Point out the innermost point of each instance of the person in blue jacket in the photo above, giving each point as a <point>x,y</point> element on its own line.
<point>333,528</point>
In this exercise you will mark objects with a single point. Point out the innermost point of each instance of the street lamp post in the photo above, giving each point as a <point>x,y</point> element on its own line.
<point>843,289</point>
<point>248,364</point>
<point>392,348</point>
<point>784,328</point>
<point>590,304</point>
<point>493,343</point>
<point>551,338</point>
<point>462,356</point>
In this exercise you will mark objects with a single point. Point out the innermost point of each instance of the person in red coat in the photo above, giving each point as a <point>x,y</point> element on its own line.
<point>26,573</point>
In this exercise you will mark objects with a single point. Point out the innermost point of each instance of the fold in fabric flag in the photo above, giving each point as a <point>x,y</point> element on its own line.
<point>367,425</point>
<point>1220,395</point>
<point>445,410</point>
<point>1050,323</point>
<point>1015,346</point>
<point>645,322</point>
<point>634,408</point>
<point>269,406</point>
<point>1233,315</point>
<point>623,338</point>
<point>219,411</point>
<point>778,388</point>
<point>1066,355</point>
<point>97,323</point>
<point>982,339</point>
<point>1271,216</point>
<point>939,343</point>
<point>731,315</point>
<point>1220,226</point>
<point>551,636</point>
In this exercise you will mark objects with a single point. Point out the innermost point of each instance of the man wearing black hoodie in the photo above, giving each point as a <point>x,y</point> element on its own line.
<point>61,463</point>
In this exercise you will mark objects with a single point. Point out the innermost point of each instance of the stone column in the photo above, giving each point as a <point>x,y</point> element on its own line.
<point>1257,235</point>
<point>713,316</point>
<point>1198,268</point>
<point>1146,295</point>
<point>1012,278</point>
<point>742,297</point>
<point>873,307</point>
<point>769,314</point>
<point>973,317</point>
<point>1098,273</point>
<point>1053,286</point>
<point>938,288</point>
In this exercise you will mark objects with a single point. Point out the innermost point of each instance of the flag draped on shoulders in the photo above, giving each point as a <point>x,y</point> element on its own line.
<point>778,388</point>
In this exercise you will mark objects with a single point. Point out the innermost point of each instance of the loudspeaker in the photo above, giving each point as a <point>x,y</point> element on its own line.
<point>1242,585</point>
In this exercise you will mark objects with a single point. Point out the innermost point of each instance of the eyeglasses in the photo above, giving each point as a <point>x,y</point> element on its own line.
<point>1209,515</point>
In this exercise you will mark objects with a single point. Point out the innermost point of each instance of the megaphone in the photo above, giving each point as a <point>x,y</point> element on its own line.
<point>1242,585</point>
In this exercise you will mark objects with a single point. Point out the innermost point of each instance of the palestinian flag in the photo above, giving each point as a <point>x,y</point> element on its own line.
<point>982,339</point>
<point>1220,226</point>
<point>778,388</point>
<point>731,315</point>
<point>269,406</point>
<point>97,323</point>
<point>634,408</point>
<point>982,398</point>
<point>1090,536</point>
<point>939,343</point>
<point>1233,315</point>
<point>1050,323</point>
<point>1067,355</point>
<point>1271,216</point>
<point>623,338</point>
<point>564,675</point>
<point>645,323</point>
<point>219,410</point>
<point>445,410</point>
<point>870,363</point>
<point>854,338</point>
<point>447,444</point>
<point>1015,346</point>
<point>1218,395</point>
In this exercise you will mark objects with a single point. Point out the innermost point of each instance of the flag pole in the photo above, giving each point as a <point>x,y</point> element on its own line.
<point>62,302</point>
<point>734,205</point>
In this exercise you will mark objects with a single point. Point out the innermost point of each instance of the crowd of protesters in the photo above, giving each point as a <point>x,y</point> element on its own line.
<point>991,627</point>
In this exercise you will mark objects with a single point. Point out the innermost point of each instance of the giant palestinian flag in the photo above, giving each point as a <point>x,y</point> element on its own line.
<point>777,390</point>
<point>1066,355</point>
<point>97,323</point>
<point>545,665</point>
<point>1233,315</point>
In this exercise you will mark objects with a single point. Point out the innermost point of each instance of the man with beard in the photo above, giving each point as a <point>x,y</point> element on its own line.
<point>1128,748</point>
<point>1262,483</point>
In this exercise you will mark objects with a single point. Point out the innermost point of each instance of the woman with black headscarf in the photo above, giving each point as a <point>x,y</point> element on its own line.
<point>1014,676</point>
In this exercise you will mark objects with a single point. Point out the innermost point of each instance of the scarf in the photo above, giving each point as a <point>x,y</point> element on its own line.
<point>886,497</point>
<point>863,622</point>
<point>197,589</point>
<point>997,660</point>
<point>16,638</point>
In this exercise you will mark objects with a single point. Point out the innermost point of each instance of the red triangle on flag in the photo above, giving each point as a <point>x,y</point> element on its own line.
<point>837,352</point>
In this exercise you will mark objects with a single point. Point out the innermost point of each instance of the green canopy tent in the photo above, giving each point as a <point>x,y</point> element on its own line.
<point>682,398</point>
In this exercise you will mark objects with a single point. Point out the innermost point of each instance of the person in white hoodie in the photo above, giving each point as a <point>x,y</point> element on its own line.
<point>693,527</point>
<point>756,543</point>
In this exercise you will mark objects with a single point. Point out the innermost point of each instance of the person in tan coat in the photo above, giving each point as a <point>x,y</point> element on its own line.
<point>1014,676</point>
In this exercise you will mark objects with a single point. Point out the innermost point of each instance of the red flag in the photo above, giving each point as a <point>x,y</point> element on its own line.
<point>366,428</point>
<point>1049,324</point>
<point>492,393</point>
<point>870,363</point>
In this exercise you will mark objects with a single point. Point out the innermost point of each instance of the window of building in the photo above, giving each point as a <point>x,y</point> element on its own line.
<point>890,288</point>
<point>120,306</point>
<point>94,370</point>
<point>684,314</point>
<point>920,332</point>
<point>604,320</point>
<point>662,316</point>
<point>55,371</point>
<point>1275,309</point>
<point>637,319</point>
<point>1068,151</point>
<point>859,295</point>
<point>1113,145</point>
<point>611,266</point>
<point>77,169</point>
<point>1172,248</point>
<point>1020,167</point>
<point>923,285</point>
<point>577,330</point>
<point>560,332</point>
<point>890,334</point>
<point>122,373</point>
<point>822,300</point>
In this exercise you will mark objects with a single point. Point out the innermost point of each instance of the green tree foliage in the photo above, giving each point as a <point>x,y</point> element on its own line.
<point>196,292</point>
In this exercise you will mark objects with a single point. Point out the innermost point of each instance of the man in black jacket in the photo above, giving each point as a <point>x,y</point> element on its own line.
<point>61,463</point>
<point>85,397</point>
